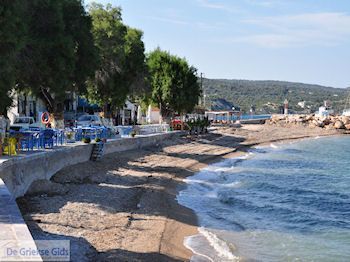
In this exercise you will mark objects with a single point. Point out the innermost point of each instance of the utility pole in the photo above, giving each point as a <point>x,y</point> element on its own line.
<point>203,93</point>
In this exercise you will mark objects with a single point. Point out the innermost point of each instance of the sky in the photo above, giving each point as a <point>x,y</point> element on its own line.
<point>304,41</point>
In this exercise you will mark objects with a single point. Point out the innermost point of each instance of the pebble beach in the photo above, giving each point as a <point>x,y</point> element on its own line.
<point>124,207</point>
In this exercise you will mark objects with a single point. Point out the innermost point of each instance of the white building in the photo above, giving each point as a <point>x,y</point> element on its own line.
<point>325,110</point>
<point>153,115</point>
<point>301,104</point>
<point>129,113</point>
<point>26,105</point>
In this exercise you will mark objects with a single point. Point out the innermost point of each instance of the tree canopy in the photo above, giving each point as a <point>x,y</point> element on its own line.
<point>49,48</point>
<point>267,96</point>
<point>11,41</point>
<point>175,87</point>
<point>59,53</point>
<point>122,55</point>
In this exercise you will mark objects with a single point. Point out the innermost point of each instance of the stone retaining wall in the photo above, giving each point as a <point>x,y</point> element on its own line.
<point>20,172</point>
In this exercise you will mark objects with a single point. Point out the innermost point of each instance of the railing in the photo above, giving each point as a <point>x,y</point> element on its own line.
<point>143,129</point>
<point>243,117</point>
<point>37,138</point>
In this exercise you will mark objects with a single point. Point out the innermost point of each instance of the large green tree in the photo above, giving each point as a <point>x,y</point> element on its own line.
<point>174,83</point>
<point>135,67</point>
<point>11,41</point>
<point>59,54</point>
<point>122,58</point>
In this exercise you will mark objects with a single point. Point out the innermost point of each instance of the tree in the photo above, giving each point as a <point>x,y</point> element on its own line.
<point>174,83</point>
<point>109,35</point>
<point>11,41</point>
<point>135,68</point>
<point>59,54</point>
<point>78,25</point>
<point>122,59</point>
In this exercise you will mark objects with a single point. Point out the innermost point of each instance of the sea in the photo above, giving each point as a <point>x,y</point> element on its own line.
<point>282,202</point>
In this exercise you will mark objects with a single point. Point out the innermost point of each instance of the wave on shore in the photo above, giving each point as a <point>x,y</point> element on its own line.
<point>279,203</point>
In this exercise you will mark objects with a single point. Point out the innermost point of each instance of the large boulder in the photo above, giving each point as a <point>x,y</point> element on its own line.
<point>347,127</point>
<point>326,121</point>
<point>309,117</point>
<point>345,120</point>
<point>339,124</point>
<point>329,127</point>
<point>317,123</point>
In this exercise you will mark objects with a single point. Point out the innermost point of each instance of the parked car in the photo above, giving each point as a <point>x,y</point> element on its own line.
<point>23,122</point>
<point>87,120</point>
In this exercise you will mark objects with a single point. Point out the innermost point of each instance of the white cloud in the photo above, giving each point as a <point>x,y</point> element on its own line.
<point>298,30</point>
<point>218,6</point>
<point>208,4</point>
<point>199,25</point>
<point>168,20</point>
<point>266,3</point>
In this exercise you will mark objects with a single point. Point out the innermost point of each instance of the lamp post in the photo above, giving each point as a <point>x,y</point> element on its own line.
<point>286,107</point>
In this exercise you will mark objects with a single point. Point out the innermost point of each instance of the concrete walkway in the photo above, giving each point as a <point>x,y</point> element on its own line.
<point>13,229</point>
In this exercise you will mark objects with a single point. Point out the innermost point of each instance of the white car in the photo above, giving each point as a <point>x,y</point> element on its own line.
<point>87,120</point>
<point>23,122</point>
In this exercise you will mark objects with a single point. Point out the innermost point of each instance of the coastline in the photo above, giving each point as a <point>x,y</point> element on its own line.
<point>153,179</point>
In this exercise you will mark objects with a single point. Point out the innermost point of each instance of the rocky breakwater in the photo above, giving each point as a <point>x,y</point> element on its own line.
<point>311,121</point>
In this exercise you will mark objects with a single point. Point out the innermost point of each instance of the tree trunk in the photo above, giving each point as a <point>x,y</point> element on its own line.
<point>55,109</point>
<point>166,114</point>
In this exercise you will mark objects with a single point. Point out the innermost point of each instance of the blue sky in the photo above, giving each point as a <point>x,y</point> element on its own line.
<point>294,40</point>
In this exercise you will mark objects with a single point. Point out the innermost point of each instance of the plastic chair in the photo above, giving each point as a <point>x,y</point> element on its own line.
<point>78,134</point>
<point>58,137</point>
<point>48,136</point>
<point>90,133</point>
<point>26,141</point>
<point>10,146</point>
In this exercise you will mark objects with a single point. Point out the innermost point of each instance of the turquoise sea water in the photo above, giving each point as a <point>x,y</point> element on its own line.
<point>286,202</point>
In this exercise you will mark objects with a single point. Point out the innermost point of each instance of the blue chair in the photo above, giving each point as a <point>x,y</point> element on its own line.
<point>104,133</point>
<point>89,133</point>
<point>78,134</point>
<point>26,141</point>
<point>58,137</point>
<point>48,138</point>
<point>38,140</point>
<point>100,132</point>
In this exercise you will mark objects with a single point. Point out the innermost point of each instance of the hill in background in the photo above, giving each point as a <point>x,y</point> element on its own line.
<point>268,96</point>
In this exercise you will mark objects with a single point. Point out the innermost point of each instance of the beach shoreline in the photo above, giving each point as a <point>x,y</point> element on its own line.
<point>150,224</point>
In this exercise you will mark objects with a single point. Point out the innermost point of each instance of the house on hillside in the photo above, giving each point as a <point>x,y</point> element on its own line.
<point>301,104</point>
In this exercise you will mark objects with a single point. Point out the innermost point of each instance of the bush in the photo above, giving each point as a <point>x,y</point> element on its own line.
<point>133,133</point>
<point>86,140</point>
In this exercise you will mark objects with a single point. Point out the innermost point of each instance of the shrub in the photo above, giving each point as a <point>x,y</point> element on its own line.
<point>86,140</point>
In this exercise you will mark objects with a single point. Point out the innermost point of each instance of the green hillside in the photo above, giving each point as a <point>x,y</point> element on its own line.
<point>268,96</point>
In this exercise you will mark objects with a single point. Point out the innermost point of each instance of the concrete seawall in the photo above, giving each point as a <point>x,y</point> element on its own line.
<point>19,173</point>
